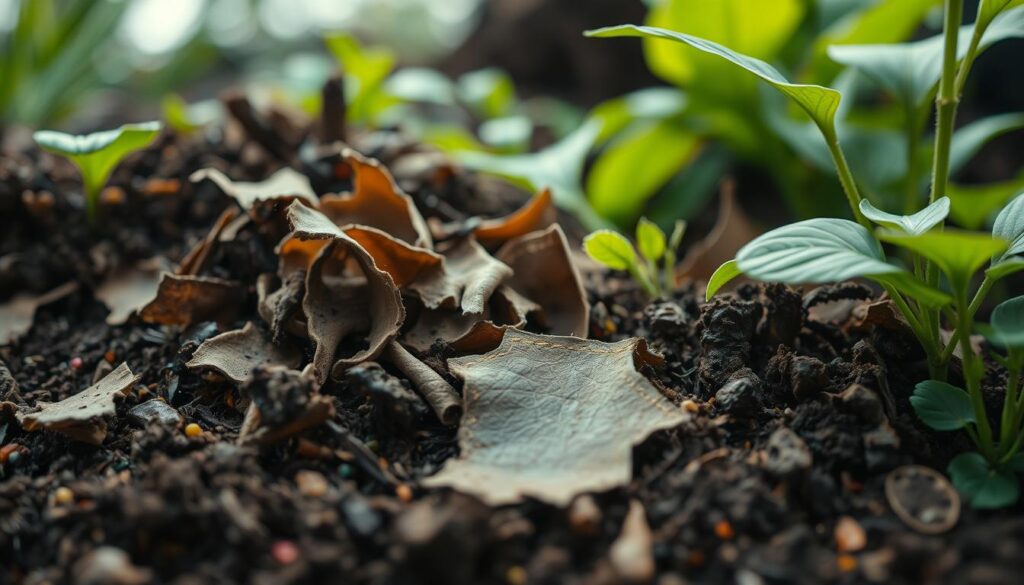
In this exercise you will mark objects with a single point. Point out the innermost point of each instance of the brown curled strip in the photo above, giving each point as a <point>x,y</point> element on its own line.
<point>445,401</point>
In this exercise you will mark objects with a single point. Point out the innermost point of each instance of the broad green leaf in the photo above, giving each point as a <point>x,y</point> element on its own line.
<point>752,27</point>
<point>1009,225</point>
<point>636,166</point>
<point>970,139</point>
<point>984,487</point>
<point>721,277</point>
<point>611,249</point>
<point>1008,322</point>
<point>421,84</point>
<point>915,224</point>
<point>972,205</point>
<point>989,9</point>
<point>1005,267</point>
<point>910,71</point>
<point>652,103</point>
<point>650,240</point>
<point>819,102</point>
<point>98,153</point>
<point>942,406</point>
<point>557,167</point>
<point>365,70</point>
<point>511,132</point>
<point>489,92</point>
<point>959,254</point>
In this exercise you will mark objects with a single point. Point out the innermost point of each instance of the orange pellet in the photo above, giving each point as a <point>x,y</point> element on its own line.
<point>723,530</point>
<point>6,450</point>
<point>193,430</point>
<point>63,496</point>
<point>695,558</point>
<point>404,492</point>
<point>110,356</point>
<point>690,406</point>
<point>113,195</point>
<point>847,563</point>
<point>515,575</point>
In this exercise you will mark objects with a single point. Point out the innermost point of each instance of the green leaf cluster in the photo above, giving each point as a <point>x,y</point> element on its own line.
<point>653,268</point>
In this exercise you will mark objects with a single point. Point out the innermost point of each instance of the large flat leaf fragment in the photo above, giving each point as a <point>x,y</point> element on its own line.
<point>551,417</point>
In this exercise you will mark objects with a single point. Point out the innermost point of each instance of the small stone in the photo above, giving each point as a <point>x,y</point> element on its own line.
<point>284,552</point>
<point>312,484</point>
<point>345,470</point>
<point>862,403</point>
<point>724,530</point>
<point>584,515</point>
<point>76,364</point>
<point>63,496</point>
<point>193,430</point>
<point>108,565</point>
<point>850,536</point>
<point>788,454</point>
<point>359,517</point>
<point>155,410</point>
<point>404,492</point>
<point>738,397</point>
<point>807,376</point>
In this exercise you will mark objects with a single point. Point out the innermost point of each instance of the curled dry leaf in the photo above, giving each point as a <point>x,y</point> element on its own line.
<point>236,354</point>
<point>467,279</point>
<point>376,201</point>
<point>282,308</point>
<point>181,300</point>
<point>471,333</point>
<point>18,313</point>
<point>543,272</point>
<point>404,262</point>
<point>732,230</point>
<point>129,290</point>
<point>195,260</point>
<point>286,182</point>
<point>543,418</point>
<point>82,417</point>
<point>438,393</point>
<point>537,214</point>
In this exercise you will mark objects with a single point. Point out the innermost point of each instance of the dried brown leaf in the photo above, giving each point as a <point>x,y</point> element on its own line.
<point>376,201</point>
<point>537,214</point>
<point>18,313</point>
<point>236,354</point>
<point>129,290</point>
<point>551,417</point>
<point>467,279</point>
<point>82,417</point>
<point>285,183</point>
<point>543,272</point>
<point>181,300</point>
<point>732,230</point>
<point>195,260</point>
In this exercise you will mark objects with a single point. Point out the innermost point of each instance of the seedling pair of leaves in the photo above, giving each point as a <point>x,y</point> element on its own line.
<point>97,154</point>
<point>613,250</point>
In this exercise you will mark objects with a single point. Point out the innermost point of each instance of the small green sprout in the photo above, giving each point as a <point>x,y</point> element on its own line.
<point>97,154</point>
<point>614,251</point>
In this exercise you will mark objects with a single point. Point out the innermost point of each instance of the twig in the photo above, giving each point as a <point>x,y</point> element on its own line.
<point>445,401</point>
<point>333,110</point>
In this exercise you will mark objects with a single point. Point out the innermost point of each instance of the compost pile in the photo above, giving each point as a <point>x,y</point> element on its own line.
<point>286,355</point>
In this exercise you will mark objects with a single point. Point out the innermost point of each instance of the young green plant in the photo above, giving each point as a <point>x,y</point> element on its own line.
<point>613,250</point>
<point>97,154</point>
<point>825,249</point>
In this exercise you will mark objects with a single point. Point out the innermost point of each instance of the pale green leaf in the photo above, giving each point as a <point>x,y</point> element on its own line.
<point>489,92</point>
<point>421,84</point>
<point>915,224</point>
<point>989,9</point>
<point>633,168</point>
<point>972,205</point>
<point>510,132</point>
<point>648,104</point>
<point>959,254</point>
<point>611,249</point>
<point>984,486</point>
<point>942,406</point>
<point>1008,322</point>
<point>819,102</point>
<point>1005,267</point>
<point>721,277</point>
<point>650,240</point>
<point>365,70</point>
<point>1009,225</point>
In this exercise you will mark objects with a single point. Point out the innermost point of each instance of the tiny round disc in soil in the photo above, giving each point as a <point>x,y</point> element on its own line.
<point>923,499</point>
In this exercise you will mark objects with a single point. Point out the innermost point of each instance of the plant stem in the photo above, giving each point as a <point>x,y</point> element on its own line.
<point>973,380</point>
<point>947,99</point>
<point>968,60</point>
<point>846,180</point>
<point>972,309</point>
<point>1011,409</point>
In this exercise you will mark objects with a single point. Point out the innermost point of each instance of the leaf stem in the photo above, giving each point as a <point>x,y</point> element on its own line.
<point>846,179</point>
<point>971,372</point>
<point>972,309</point>
<point>947,99</point>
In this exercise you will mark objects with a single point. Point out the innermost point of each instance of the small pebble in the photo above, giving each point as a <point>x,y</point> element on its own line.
<point>7,453</point>
<point>110,356</point>
<point>76,363</point>
<point>850,536</point>
<point>404,492</point>
<point>690,406</point>
<point>312,484</point>
<point>724,530</point>
<point>63,496</point>
<point>345,470</point>
<point>193,430</point>
<point>284,552</point>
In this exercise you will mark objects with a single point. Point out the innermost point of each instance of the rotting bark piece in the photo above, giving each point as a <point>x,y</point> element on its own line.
<point>285,183</point>
<point>544,273</point>
<point>82,417</point>
<point>732,230</point>
<point>129,290</point>
<point>438,393</point>
<point>18,313</point>
<point>376,201</point>
<point>236,354</point>
<point>544,418</point>
<point>182,300</point>
<point>538,213</point>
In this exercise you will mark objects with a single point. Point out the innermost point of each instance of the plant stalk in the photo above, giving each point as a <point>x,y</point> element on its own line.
<point>947,99</point>
<point>973,381</point>
<point>847,181</point>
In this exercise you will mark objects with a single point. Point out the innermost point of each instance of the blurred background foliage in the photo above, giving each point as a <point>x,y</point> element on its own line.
<point>617,128</point>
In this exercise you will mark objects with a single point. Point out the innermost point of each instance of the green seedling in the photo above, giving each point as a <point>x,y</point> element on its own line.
<point>653,268</point>
<point>97,154</point>
<point>937,288</point>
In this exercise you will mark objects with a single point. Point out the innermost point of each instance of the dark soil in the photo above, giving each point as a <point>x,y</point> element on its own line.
<point>801,414</point>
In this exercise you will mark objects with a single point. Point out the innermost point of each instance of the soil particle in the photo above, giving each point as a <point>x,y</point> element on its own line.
<point>788,456</point>
<point>154,411</point>
<point>727,330</point>
<point>739,396</point>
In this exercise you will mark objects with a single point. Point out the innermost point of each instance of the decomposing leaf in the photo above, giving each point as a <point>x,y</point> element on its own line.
<point>286,182</point>
<point>543,418</point>
<point>284,403</point>
<point>404,262</point>
<point>282,308</point>
<point>236,354</point>
<point>438,393</point>
<point>537,214</point>
<point>468,278</point>
<point>376,201</point>
<point>194,262</point>
<point>82,417</point>
<point>467,332</point>
<point>131,289</point>
<point>544,273</point>
<point>181,300</point>
<point>732,230</point>
<point>18,313</point>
